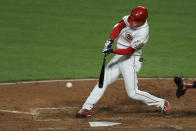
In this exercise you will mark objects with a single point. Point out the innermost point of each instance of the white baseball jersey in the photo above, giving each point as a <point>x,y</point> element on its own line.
<point>134,37</point>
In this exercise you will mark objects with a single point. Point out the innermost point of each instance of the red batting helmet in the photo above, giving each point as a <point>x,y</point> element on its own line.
<point>138,16</point>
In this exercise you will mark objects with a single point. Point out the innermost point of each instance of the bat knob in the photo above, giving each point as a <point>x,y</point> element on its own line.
<point>100,85</point>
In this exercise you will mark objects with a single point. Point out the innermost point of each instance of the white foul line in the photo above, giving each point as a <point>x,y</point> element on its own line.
<point>17,112</point>
<point>35,112</point>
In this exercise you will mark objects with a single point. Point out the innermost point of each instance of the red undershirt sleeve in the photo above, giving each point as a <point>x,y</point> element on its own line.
<point>126,51</point>
<point>117,29</point>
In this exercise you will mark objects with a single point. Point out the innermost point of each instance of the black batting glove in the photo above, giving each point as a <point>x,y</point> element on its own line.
<point>108,44</point>
<point>107,51</point>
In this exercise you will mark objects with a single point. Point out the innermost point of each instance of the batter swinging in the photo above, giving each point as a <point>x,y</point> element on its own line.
<point>132,34</point>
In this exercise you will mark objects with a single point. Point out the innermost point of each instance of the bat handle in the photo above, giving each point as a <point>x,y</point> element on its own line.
<point>101,77</point>
<point>104,58</point>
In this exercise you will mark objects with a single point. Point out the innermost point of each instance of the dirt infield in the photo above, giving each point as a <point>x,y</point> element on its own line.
<point>51,106</point>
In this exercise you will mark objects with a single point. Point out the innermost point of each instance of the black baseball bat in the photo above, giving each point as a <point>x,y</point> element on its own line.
<point>101,77</point>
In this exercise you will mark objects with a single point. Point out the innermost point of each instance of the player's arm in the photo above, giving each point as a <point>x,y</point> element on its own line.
<point>116,31</point>
<point>128,51</point>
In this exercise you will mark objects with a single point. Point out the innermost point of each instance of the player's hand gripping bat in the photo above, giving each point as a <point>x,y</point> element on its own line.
<point>101,77</point>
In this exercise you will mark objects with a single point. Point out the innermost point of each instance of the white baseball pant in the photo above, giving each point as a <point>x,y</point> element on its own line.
<point>128,66</point>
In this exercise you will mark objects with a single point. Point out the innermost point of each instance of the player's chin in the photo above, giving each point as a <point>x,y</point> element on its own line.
<point>135,25</point>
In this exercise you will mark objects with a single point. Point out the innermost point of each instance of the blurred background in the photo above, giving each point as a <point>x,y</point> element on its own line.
<point>59,39</point>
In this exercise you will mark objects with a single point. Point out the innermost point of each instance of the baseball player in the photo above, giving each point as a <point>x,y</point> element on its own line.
<point>182,86</point>
<point>131,34</point>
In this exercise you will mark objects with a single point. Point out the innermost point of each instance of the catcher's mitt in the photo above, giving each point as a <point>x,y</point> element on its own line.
<point>180,87</point>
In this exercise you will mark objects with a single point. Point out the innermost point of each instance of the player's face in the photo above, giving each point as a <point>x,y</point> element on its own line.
<point>135,26</point>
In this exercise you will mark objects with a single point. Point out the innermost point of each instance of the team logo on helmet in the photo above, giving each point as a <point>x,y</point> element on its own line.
<point>128,37</point>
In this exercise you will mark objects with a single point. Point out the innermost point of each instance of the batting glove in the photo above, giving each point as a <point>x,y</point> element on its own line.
<point>108,51</point>
<point>108,44</point>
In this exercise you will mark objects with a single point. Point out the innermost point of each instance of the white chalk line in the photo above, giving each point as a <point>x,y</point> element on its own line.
<point>35,113</point>
<point>73,80</point>
<point>17,112</point>
<point>57,108</point>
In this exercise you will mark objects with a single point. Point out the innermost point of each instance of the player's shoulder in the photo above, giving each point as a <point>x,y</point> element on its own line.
<point>143,31</point>
<point>144,28</point>
<point>146,24</point>
<point>125,19</point>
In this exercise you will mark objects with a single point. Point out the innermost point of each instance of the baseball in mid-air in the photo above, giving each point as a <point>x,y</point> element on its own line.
<point>68,84</point>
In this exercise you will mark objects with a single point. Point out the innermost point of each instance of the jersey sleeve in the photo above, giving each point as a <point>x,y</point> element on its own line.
<point>125,19</point>
<point>126,51</point>
<point>117,28</point>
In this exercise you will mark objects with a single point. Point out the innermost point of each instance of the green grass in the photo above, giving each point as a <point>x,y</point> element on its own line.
<point>57,39</point>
